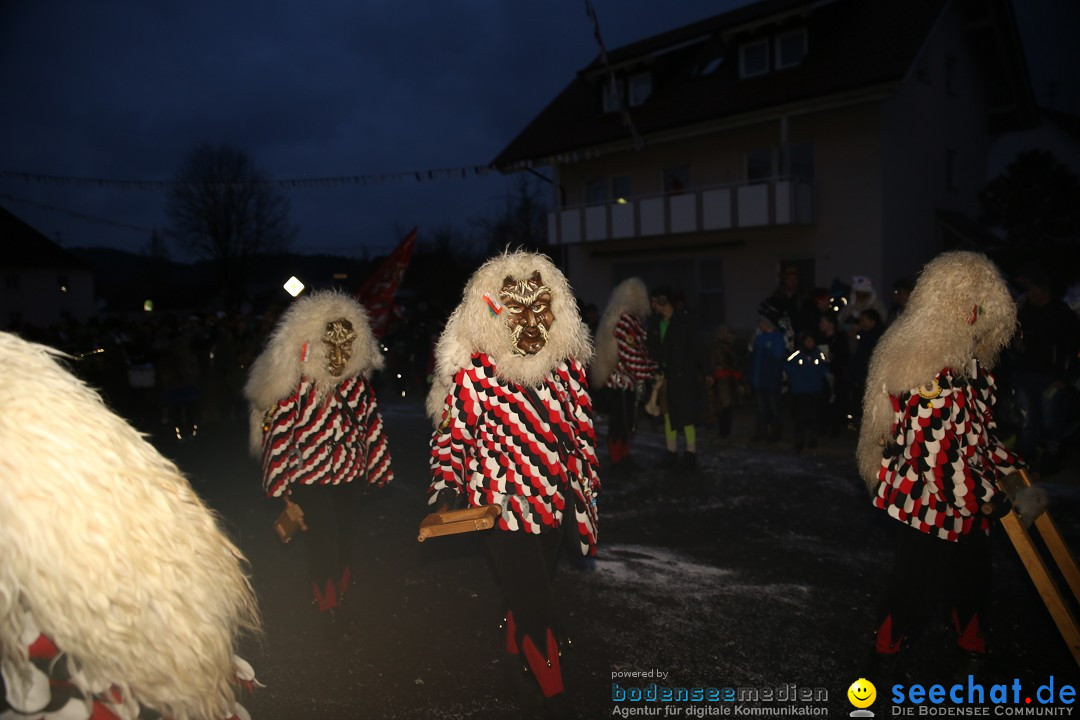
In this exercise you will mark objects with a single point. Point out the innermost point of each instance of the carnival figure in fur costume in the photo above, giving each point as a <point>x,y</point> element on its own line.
<point>514,428</point>
<point>928,449</point>
<point>316,427</point>
<point>120,596</point>
<point>622,365</point>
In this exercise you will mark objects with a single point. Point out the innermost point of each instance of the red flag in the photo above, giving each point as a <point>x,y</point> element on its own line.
<point>377,292</point>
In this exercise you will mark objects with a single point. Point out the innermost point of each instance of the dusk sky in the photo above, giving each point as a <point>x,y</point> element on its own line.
<point>124,89</point>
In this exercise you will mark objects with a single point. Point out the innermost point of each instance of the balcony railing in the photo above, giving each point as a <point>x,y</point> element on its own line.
<point>705,209</point>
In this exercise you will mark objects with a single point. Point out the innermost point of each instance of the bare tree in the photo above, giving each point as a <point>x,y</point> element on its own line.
<point>522,219</point>
<point>223,209</point>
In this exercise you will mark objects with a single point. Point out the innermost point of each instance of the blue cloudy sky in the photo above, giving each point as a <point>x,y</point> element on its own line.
<point>123,89</point>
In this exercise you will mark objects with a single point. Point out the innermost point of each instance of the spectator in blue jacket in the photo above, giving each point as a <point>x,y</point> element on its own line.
<point>767,352</point>
<point>808,384</point>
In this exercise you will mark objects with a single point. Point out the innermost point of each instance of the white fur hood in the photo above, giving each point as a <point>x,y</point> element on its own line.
<point>960,310</point>
<point>473,327</point>
<point>105,548</point>
<point>629,297</point>
<point>295,350</point>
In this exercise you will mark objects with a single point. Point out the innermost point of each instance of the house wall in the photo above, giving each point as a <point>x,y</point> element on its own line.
<point>847,231</point>
<point>923,123</point>
<point>843,240</point>
<point>33,296</point>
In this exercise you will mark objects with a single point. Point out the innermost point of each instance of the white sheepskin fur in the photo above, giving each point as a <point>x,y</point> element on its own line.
<point>278,369</point>
<point>106,548</point>
<point>933,333</point>
<point>473,328</point>
<point>632,297</point>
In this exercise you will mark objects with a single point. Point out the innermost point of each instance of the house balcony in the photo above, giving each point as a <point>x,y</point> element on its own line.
<point>705,209</point>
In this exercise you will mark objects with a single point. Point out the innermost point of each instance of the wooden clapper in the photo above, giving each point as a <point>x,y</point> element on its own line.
<point>1037,568</point>
<point>451,522</point>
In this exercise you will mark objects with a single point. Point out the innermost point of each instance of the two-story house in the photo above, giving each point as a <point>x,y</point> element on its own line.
<point>43,284</point>
<point>829,134</point>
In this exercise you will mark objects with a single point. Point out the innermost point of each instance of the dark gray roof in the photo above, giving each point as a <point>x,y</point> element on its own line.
<point>852,45</point>
<point>21,246</point>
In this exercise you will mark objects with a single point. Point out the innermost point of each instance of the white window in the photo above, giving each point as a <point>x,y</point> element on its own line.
<point>612,95</point>
<point>759,165</point>
<point>640,88</point>
<point>596,191</point>
<point>797,161</point>
<point>790,48</point>
<point>754,59</point>
<point>677,180</point>
<point>620,188</point>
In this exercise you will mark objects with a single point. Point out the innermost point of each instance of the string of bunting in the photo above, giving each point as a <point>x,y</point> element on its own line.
<point>78,215</point>
<point>287,184</point>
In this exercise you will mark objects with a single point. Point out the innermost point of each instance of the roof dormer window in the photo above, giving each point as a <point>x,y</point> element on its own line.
<point>790,48</point>
<point>640,88</point>
<point>754,58</point>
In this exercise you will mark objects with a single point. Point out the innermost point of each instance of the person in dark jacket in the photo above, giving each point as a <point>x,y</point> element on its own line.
<point>808,384</point>
<point>871,328</point>
<point>1045,356</point>
<point>768,348</point>
<point>675,343</point>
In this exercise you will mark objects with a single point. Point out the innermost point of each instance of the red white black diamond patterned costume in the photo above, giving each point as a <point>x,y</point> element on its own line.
<point>317,430</point>
<point>622,364</point>
<point>514,429</point>
<point>928,448</point>
<point>120,596</point>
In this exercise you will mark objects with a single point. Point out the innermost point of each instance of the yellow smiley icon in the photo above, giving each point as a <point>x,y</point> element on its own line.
<point>862,693</point>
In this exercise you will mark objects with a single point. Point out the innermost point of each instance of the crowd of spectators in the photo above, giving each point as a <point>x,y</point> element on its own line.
<point>801,371</point>
<point>180,374</point>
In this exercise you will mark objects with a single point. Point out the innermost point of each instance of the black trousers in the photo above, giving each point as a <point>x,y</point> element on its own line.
<point>524,564</point>
<point>621,407</point>
<point>806,412</point>
<point>929,574</point>
<point>330,512</point>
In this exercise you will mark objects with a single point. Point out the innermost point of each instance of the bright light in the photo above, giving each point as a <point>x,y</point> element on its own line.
<point>294,287</point>
<point>148,306</point>
<point>621,201</point>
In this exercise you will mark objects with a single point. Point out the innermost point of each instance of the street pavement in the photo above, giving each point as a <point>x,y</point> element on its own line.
<point>761,571</point>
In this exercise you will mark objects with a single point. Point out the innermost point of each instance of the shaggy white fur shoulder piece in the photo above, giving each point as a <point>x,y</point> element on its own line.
<point>281,364</point>
<point>960,310</point>
<point>105,548</point>
<point>473,327</point>
<point>630,297</point>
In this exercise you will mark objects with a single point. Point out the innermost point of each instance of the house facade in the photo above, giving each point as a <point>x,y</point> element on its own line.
<point>830,135</point>
<point>41,284</point>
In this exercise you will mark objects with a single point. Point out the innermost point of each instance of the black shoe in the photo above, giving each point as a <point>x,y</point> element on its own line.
<point>670,460</point>
<point>689,461</point>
